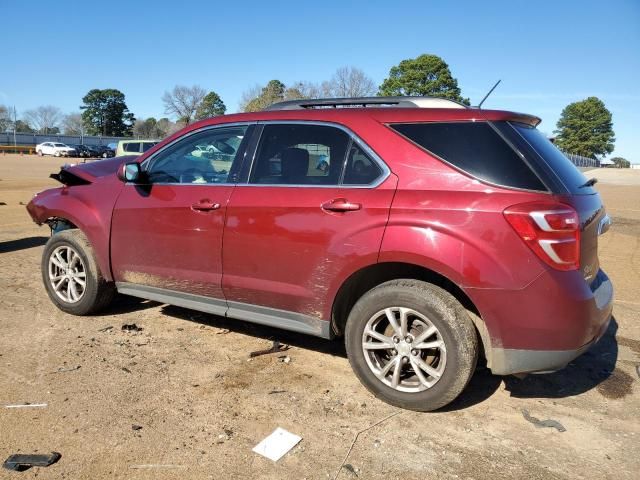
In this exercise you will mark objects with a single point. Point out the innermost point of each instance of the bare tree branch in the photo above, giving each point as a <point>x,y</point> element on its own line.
<point>72,124</point>
<point>349,82</point>
<point>183,102</point>
<point>43,118</point>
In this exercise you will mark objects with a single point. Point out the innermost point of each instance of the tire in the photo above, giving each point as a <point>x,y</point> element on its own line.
<point>104,155</point>
<point>39,152</point>
<point>56,154</point>
<point>450,353</point>
<point>96,293</point>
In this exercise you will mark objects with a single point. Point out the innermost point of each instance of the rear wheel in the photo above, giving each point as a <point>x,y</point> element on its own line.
<point>411,344</point>
<point>39,152</point>
<point>71,274</point>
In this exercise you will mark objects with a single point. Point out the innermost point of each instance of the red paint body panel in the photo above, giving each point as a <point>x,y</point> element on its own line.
<point>89,207</point>
<point>282,250</point>
<point>159,240</point>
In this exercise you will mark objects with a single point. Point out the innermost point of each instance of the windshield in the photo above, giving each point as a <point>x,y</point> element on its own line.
<point>59,145</point>
<point>568,173</point>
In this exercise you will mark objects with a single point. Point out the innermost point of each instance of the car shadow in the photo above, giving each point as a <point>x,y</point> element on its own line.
<point>126,304</point>
<point>22,244</point>
<point>585,373</point>
<point>263,332</point>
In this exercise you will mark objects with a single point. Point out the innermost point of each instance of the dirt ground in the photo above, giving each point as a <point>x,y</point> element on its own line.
<point>202,405</point>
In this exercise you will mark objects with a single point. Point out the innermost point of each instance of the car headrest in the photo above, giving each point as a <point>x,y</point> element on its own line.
<point>295,163</point>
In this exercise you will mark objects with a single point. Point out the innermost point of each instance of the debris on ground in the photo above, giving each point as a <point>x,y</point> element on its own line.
<point>107,328</point>
<point>70,369</point>
<point>277,347</point>
<point>638,370</point>
<point>20,462</point>
<point>276,445</point>
<point>27,405</point>
<point>284,358</point>
<point>125,369</point>
<point>224,436</point>
<point>352,469</point>
<point>131,327</point>
<point>136,427</point>
<point>224,331</point>
<point>272,392</point>
<point>543,423</point>
<point>2,203</point>
<point>355,439</point>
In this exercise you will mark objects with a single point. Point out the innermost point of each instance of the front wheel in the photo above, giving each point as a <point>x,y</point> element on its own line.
<point>71,274</point>
<point>411,344</point>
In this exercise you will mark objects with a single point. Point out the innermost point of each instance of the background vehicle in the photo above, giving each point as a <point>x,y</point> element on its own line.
<point>103,151</point>
<point>432,234</point>
<point>56,149</point>
<point>82,151</point>
<point>134,147</point>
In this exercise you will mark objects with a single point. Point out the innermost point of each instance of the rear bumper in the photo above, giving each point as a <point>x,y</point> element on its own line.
<point>509,361</point>
<point>547,324</point>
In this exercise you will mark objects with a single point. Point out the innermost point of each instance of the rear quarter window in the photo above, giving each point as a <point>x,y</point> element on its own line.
<point>569,175</point>
<point>475,148</point>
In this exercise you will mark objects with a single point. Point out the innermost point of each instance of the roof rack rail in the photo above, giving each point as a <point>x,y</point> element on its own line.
<point>363,102</point>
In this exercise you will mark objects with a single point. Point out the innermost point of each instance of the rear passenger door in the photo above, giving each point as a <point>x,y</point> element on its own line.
<point>312,209</point>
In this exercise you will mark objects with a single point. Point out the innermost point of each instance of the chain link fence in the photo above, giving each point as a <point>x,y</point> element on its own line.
<point>580,161</point>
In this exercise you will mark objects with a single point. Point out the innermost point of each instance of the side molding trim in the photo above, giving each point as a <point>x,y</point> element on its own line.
<point>272,317</point>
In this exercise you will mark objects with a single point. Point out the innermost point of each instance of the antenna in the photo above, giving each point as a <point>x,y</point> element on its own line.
<point>487,95</point>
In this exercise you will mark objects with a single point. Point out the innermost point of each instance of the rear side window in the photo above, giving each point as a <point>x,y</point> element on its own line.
<point>572,178</point>
<point>300,155</point>
<point>475,148</point>
<point>360,169</point>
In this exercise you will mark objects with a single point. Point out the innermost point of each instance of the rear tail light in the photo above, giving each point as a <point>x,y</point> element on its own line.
<point>551,230</point>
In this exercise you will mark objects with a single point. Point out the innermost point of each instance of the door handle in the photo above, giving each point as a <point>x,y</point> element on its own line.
<point>341,205</point>
<point>205,206</point>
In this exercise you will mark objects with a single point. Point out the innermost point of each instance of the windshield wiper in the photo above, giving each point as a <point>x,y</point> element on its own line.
<point>589,183</point>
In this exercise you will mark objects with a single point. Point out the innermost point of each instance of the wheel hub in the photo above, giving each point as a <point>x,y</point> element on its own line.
<point>404,349</point>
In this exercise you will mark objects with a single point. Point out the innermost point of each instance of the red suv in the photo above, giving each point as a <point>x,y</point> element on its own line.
<point>425,232</point>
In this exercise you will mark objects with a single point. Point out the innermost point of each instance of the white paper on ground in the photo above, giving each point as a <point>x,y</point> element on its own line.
<point>277,444</point>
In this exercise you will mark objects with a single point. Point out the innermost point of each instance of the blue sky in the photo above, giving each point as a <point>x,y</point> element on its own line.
<point>547,53</point>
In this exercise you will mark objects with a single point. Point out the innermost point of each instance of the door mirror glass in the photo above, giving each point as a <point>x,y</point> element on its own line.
<point>129,172</point>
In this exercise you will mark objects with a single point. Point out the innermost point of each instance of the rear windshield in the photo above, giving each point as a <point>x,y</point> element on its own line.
<point>572,178</point>
<point>475,148</point>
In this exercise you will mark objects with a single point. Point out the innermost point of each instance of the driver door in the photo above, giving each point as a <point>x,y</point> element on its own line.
<point>167,233</point>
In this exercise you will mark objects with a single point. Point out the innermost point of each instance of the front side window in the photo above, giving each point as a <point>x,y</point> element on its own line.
<point>203,157</point>
<point>299,154</point>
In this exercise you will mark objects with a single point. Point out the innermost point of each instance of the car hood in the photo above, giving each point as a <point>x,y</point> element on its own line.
<point>90,172</point>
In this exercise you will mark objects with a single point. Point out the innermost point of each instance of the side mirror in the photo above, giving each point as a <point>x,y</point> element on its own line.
<point>130,172</point>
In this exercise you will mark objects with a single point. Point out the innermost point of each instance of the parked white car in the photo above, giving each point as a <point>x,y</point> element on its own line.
<point>55,149</point>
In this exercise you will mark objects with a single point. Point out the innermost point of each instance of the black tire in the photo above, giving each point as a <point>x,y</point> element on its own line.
<point>454,328</point>
<point>97,293</point>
